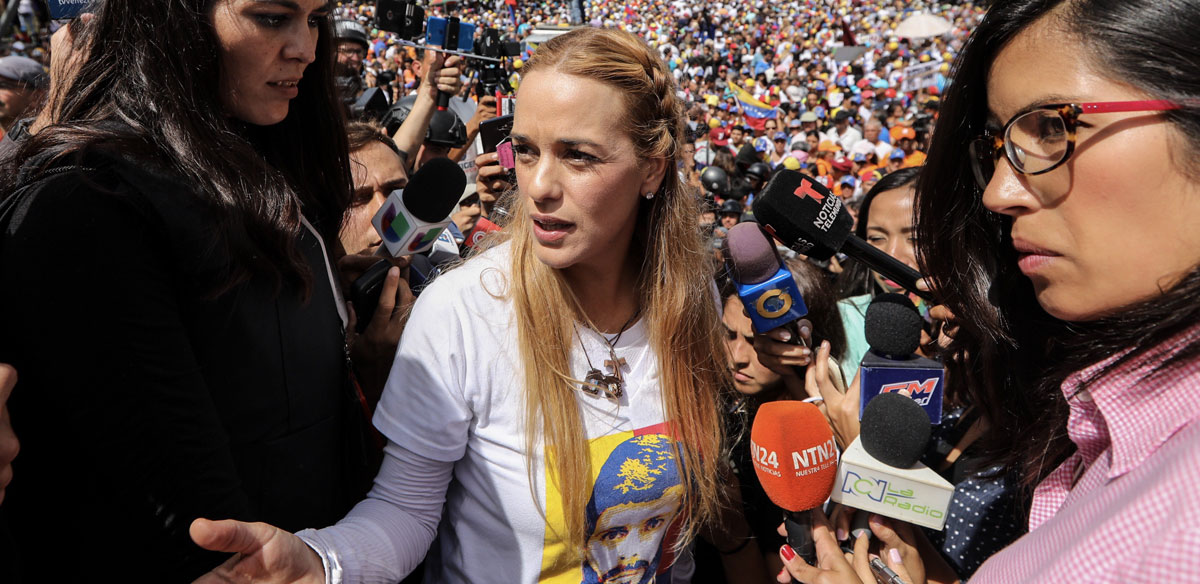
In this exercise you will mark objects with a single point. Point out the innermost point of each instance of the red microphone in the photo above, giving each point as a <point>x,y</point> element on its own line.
<point>482,228</point>
<point>795,459</point>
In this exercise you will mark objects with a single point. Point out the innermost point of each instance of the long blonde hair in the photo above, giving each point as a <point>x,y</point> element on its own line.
<point>675,292</point>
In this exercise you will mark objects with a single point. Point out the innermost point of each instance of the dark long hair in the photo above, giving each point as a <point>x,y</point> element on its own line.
<point>150,89</point>
<point>855,278</point>
<point>1018,354</point>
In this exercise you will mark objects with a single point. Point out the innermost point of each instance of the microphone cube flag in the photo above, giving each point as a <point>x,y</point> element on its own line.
<point>804,214</point>
<point>401,231</point>
<point>794,454</point>
<point>922,378</point>
<point>773,303</point>
<point>916,495</point>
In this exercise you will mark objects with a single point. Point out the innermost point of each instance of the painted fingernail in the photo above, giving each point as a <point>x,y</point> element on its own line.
<point>787,552</point>
<point>894,554</point>
<point>841,534</point>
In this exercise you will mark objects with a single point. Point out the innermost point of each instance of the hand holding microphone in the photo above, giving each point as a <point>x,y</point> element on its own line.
<point>795,459</point>
<point>771,298</point>
<point>896,562</point>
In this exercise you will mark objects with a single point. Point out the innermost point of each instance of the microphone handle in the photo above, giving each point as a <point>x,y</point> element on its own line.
<point>450,42</point>
<point>890,267</point>
<point>799,534</point>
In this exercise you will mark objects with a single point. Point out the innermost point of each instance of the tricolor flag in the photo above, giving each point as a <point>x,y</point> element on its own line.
<point>756,112</point>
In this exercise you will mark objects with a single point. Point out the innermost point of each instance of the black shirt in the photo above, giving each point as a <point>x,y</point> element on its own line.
<point>143,402</point>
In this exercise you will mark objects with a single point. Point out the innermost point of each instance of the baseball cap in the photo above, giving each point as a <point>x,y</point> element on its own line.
<point>719,136</point>
<point>902,132</point>
<point>860,157</point>
<point>897,154</point>
<point>794,123</point>
<point>781,136</point>
<point>828,146</point>
<point>841,163</point>
<point>23,70</point>
<point>808,117</point>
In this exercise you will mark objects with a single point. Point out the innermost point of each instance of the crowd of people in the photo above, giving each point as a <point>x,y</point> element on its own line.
<point>561,388</point>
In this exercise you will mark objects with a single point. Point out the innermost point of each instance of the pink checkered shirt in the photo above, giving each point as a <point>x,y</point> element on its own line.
<point>1134,513</point>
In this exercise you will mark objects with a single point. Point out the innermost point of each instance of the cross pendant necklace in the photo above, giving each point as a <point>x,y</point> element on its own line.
<point>596,382</point>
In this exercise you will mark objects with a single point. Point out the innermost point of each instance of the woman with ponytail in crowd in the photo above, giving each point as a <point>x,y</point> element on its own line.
<point>557,392</point>
<point>1068,247</point>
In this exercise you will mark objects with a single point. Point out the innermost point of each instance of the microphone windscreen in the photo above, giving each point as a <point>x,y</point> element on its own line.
<point>895,430</point>
<point>795,457</point>
<point>752,256</point>
<point>803,214</point>
<point>434,190</point>
<point>893,325</point>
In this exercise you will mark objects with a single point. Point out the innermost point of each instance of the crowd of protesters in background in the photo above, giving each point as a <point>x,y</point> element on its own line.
<point>829,88</point>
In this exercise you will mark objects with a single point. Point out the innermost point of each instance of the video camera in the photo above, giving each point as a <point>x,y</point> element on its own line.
<point>407,19</point>
<point>403,17</point>
<point>492,76</point>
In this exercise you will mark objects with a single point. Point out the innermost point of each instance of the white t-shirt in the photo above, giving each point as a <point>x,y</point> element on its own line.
<point>454,397</point>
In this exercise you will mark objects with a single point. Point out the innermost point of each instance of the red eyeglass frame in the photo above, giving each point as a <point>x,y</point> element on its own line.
<point>992,145</point>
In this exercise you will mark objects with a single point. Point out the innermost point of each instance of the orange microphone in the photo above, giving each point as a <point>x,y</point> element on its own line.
<point>795,459</point>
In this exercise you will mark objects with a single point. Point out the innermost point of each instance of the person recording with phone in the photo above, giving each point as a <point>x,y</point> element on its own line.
<point>437,72</point>
<point>1075,295</point>
<point>547,399</point>
<point>189,358</point>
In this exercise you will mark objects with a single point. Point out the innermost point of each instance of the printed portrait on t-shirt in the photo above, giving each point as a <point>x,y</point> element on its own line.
<point>633,503</point>
<point>633,513</point>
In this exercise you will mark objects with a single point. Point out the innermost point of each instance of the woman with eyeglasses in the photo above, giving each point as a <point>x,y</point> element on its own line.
<point>1077,295</point>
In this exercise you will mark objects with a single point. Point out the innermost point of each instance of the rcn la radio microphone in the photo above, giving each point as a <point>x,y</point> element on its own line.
<point>880,472</point>
<point>412,218</point>
<point>893,331</point>
<point>795,459</point>
<point>764,285</point>
<point>807,217</point>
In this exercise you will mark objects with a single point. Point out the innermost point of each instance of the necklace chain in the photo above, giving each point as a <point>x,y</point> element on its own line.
<point>595,382</point>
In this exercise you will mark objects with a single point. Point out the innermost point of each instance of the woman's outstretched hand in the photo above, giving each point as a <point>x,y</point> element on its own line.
<point>262,553</point>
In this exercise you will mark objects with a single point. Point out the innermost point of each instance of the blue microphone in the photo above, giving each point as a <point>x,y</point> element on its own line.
<point>764,285</point>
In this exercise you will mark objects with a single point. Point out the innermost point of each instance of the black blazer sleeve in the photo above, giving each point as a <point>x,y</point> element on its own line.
<point>123,446</point>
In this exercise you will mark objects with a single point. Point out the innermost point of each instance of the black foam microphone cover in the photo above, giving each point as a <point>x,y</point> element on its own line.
<point>803,214</point>
<point>434,190</point>
<point>895,430</point>
<point>752,255</point>
<point>893,325</point>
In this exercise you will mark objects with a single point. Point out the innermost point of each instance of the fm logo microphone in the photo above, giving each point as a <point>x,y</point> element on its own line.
<point>919,391</point>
